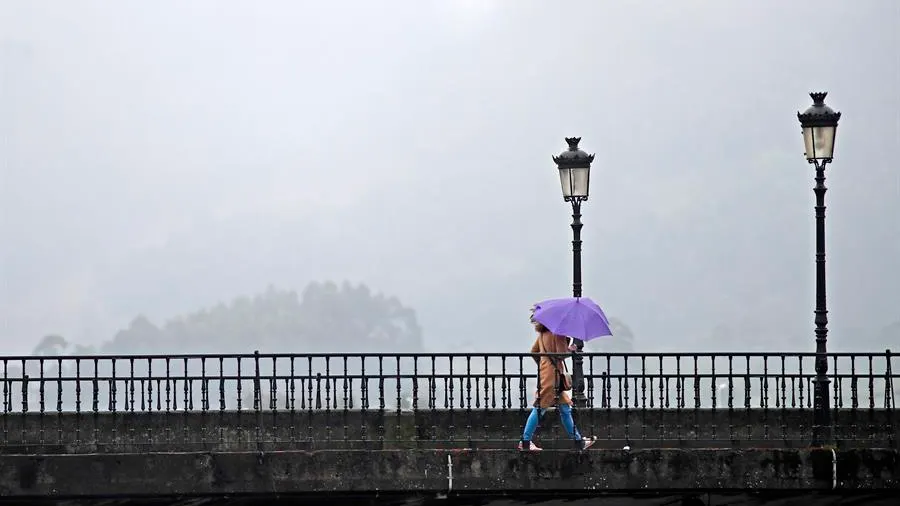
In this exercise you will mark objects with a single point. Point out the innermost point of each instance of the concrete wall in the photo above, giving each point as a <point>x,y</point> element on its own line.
<point>443,471</point>
<point>70,433</point>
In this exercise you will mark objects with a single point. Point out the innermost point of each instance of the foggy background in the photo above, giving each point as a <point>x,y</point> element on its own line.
<point>165,158</point>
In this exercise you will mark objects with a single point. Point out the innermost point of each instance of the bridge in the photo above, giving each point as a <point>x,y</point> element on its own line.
<point>205,426</point>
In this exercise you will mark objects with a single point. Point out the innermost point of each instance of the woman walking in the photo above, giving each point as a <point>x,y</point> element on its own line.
<point>553,384</point>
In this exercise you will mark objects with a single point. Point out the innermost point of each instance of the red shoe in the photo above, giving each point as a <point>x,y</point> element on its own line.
<point>531,447</point>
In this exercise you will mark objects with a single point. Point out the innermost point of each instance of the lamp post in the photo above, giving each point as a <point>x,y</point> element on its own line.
<point>819,125</point>
<point>575,176</point>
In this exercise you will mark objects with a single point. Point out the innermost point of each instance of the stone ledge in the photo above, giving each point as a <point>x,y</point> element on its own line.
<point>231,431</point>
<point>431,471</point>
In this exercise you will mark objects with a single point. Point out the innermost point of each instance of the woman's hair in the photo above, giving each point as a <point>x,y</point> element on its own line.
<point>538,326</point>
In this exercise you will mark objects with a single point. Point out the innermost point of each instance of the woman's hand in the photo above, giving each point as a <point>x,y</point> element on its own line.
<point>572,347</point>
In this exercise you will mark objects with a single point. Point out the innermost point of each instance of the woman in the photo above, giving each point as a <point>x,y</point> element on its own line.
<point>551,389</point>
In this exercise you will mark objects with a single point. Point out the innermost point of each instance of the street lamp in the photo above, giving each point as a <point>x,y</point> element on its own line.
<point>575,177</point>
<point>819,125</point>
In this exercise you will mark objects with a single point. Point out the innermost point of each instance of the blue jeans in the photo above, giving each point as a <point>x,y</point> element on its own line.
<point>565,414</point>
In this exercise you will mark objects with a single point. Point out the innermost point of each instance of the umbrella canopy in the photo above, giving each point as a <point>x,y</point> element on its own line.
<point>579,317</point>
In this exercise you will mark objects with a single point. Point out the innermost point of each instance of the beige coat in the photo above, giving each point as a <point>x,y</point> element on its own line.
<point>547,395</point>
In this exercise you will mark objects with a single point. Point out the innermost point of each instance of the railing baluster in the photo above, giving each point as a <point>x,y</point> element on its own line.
<point>77,402</point>
<point>364,402</point>
<point>889,398</point>
<point>95,402</point>
<point>41,404</point>
<point>397,419</point>
<point>381,411</point>
<point>871,385</point>
<point>468,405</point>
<point>347,402</point>
<point>292,430</point>
<point>679,397</point>
<point>309,402</point>
<point>7,402</point>
<point>257,401</point>
<point>59,401</point>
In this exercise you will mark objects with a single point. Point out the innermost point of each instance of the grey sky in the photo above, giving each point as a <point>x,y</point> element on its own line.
<point>161,156</point>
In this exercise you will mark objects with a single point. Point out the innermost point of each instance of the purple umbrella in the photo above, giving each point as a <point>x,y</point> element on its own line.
<point>580,318</point>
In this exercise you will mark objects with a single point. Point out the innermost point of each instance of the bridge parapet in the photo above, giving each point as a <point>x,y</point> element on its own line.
<point>277,402</point>
<point>216,425</point>
<point>231,431</point>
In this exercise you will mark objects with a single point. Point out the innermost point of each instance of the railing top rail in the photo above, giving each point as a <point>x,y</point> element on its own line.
<point>253,355</point>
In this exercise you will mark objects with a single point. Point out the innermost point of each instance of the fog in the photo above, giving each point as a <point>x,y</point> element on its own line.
<point>159,158</point>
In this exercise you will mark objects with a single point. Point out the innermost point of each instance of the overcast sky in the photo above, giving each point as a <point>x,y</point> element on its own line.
<point>158,157</point>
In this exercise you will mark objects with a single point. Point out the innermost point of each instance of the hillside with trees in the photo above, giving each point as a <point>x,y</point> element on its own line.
<point>324,318</point>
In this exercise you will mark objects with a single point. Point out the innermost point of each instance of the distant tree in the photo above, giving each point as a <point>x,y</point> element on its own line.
<point>352,318</point>
<point>140,337</point>
<point>54,344</point>
<point>51,345</point>
<point>327,319</point>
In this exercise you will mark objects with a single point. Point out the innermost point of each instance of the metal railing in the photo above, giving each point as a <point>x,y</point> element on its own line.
<point>76,403</point>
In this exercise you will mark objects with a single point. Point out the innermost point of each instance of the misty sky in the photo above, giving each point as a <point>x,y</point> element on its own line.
<point>158,157</point>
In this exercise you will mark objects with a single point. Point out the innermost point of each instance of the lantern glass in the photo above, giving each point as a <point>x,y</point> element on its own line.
<point>575,182</point>
<point>819,141</point>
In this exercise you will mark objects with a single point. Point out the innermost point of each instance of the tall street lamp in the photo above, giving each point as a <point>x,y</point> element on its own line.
<point>819,125</point>
<point>575,176</point>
